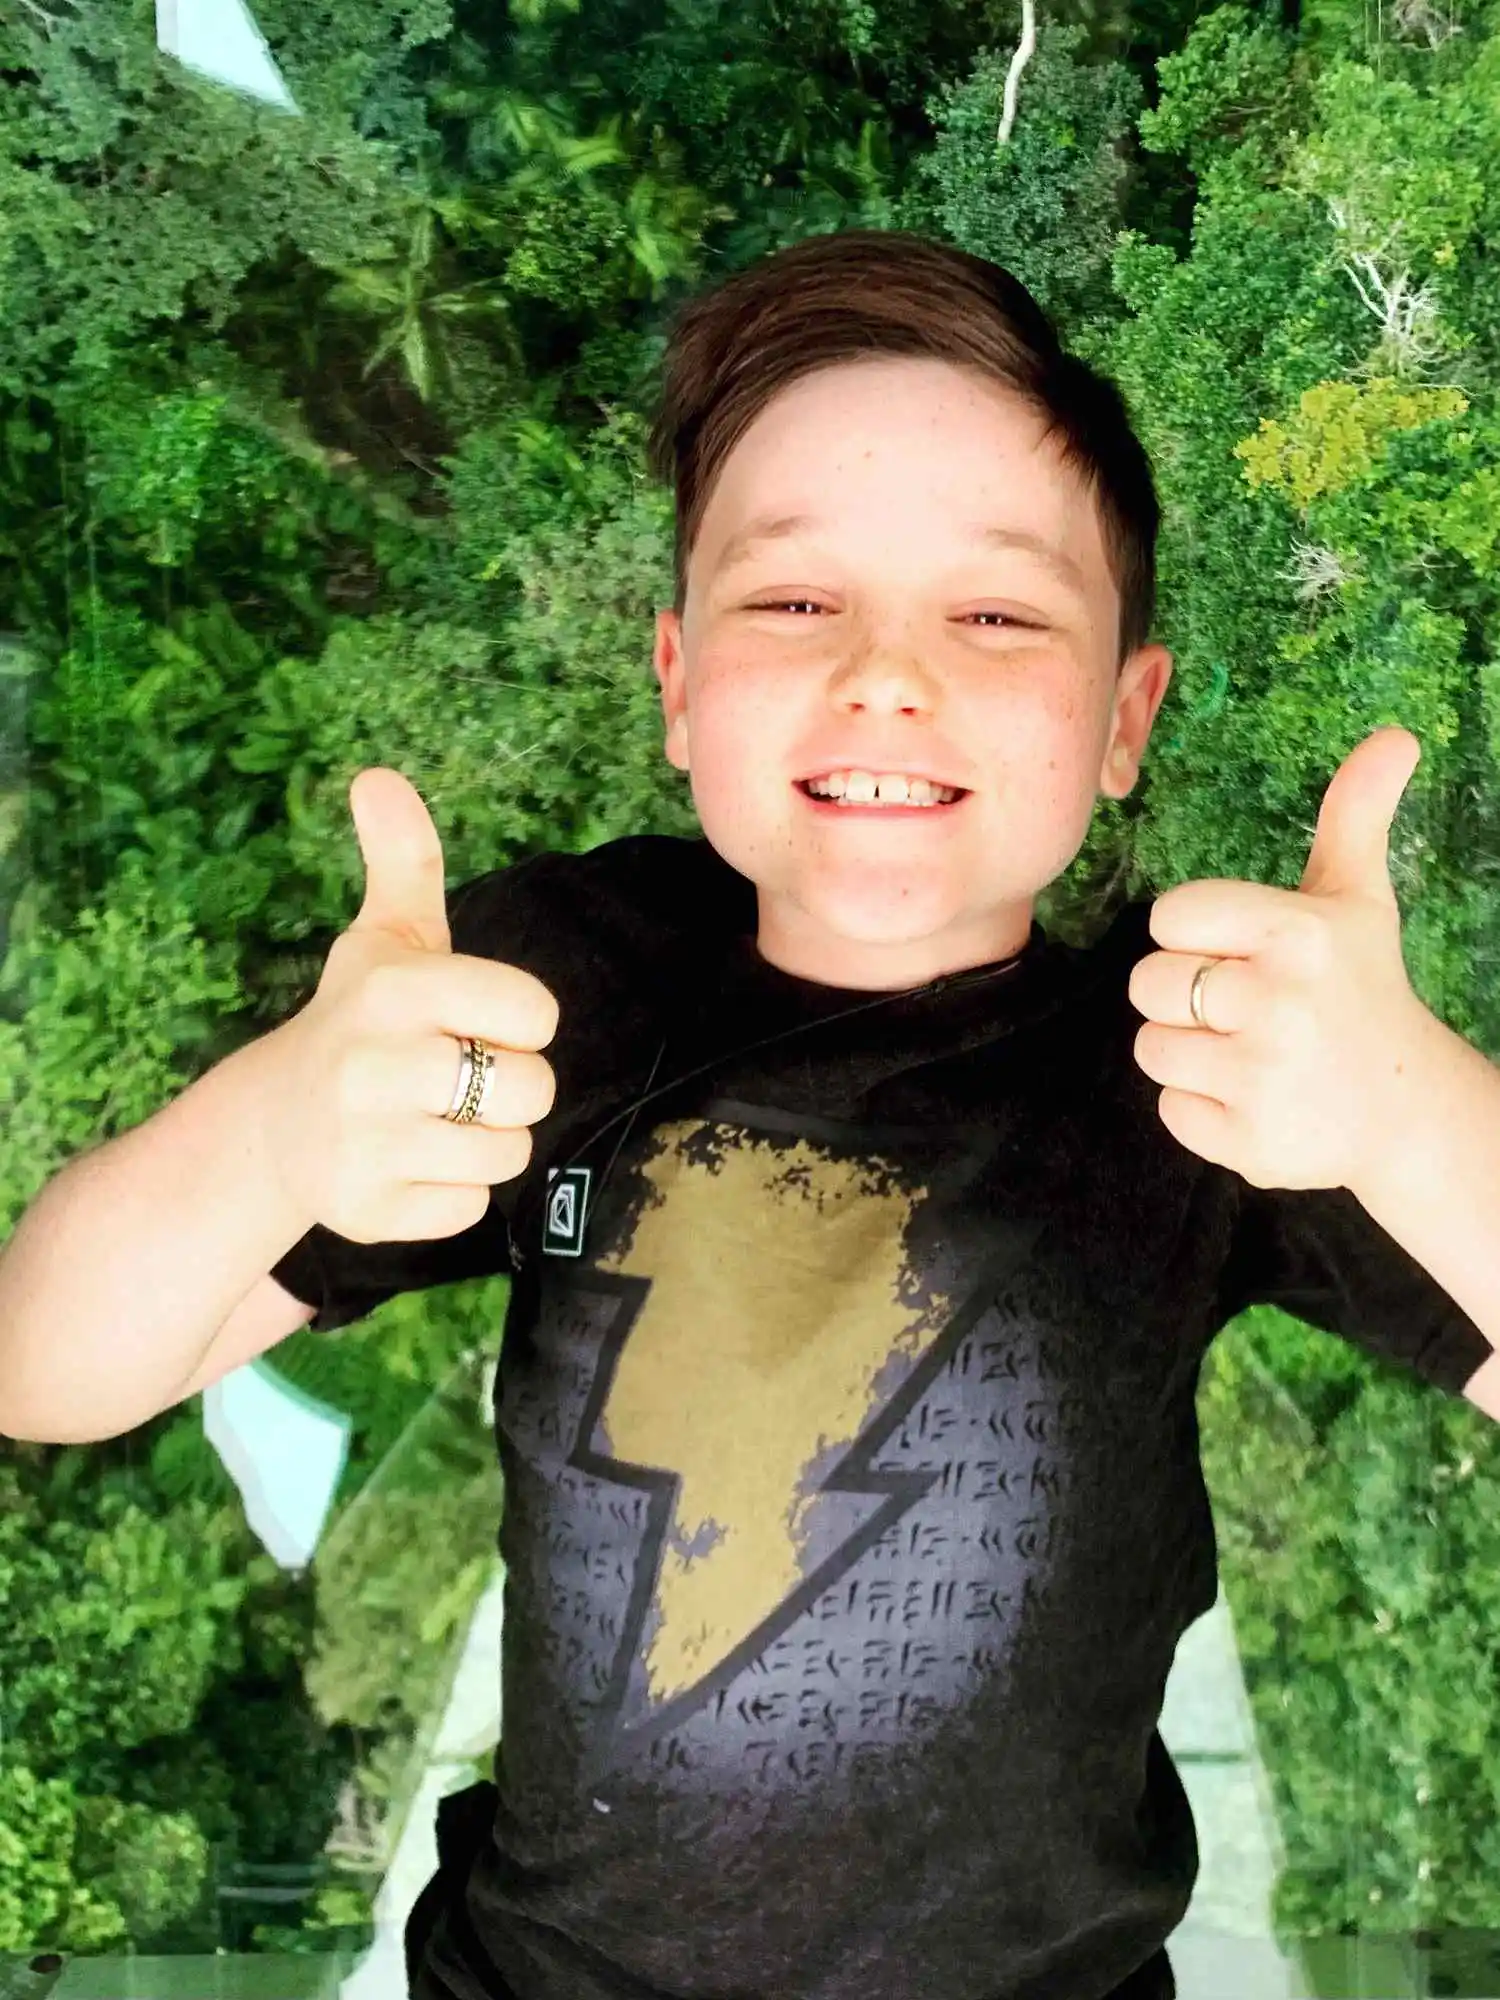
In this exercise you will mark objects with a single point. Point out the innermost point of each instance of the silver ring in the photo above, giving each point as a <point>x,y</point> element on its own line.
<point>476,1066</point>
<point>1195,995</point>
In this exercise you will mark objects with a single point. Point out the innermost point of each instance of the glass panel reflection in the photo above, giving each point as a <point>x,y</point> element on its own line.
<point>283,1777</point>
<point>220,41</point>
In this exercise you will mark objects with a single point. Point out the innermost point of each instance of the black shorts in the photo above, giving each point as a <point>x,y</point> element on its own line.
<point>465,1821</point>
<point>1155,1980</point>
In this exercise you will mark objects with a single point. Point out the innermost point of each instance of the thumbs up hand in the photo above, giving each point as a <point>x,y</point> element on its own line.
<point>1313,1018</point>
<point>357,1129</point>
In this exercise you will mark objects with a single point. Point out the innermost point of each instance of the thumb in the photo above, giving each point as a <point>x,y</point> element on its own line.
<point>1351,848</point>
<point>403,858</point>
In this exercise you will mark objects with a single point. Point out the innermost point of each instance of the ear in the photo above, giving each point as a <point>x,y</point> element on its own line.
<point>671,675</point>
<point>1143,683</point>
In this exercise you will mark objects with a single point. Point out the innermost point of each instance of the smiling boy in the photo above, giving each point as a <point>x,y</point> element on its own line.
<point>939,603</point>
<point>846,1405</point>
<point>846,1399</point>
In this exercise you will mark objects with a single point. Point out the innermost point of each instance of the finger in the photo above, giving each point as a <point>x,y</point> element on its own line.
<point>521,1089</point>
<point>422,994</point>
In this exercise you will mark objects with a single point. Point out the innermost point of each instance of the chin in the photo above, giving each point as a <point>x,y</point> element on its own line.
<point>870,899</point>
<point>876,913</point>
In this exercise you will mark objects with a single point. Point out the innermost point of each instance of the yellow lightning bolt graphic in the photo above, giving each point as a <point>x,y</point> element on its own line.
<point>776,1300</point>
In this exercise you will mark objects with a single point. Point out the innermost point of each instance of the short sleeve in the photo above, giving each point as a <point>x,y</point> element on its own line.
<point>1318,1254</point>
<point>345,1280</point>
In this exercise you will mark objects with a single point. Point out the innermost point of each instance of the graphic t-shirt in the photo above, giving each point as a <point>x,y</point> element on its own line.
<point>852,1499</point>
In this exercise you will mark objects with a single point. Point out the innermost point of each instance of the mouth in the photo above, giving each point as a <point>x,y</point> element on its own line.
<point>942,807</point>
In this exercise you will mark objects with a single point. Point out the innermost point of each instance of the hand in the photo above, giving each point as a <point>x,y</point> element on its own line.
<point>356,1128</point>
<point>1311,1006</point>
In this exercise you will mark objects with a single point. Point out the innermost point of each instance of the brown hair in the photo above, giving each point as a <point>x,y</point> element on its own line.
<point>853,293</point>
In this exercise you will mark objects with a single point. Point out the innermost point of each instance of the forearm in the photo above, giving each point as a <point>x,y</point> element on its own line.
<point>1435,1187</point>
<point>128,1262</point>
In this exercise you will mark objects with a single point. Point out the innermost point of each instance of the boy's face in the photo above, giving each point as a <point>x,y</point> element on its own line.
<point>884,664</point>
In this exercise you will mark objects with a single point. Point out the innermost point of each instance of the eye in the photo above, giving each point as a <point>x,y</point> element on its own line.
<point>786,604</point>
<point>1017,624</point>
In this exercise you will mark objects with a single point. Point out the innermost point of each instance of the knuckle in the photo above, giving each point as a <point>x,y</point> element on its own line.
<point>539,1005</point>
<point>470,1205</point>
<point>546,1083</point>
<point>524,1091</point>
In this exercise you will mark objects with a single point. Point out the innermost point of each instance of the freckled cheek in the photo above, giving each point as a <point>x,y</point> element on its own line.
<point>741,734</point>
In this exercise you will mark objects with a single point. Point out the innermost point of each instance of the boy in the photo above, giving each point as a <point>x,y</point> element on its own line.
<point>846,1398</point>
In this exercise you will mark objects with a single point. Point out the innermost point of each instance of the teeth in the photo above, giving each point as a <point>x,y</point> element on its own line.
<point>866,788</point>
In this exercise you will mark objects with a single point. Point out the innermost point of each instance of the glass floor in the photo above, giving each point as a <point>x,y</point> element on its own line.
<point>269,1927</point>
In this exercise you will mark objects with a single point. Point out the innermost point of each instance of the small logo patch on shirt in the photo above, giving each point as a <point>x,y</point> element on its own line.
<point>567,1210</point>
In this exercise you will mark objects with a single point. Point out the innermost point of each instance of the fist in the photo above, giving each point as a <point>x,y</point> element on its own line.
<point>356,1127</point>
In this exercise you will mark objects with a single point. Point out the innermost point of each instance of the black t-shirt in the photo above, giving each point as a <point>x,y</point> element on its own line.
<point>846,1413</point>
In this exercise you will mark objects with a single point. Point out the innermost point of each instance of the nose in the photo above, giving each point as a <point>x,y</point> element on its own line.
<point>886,682</point>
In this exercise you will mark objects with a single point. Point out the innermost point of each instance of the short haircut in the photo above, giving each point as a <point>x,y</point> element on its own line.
<point>852,294</point>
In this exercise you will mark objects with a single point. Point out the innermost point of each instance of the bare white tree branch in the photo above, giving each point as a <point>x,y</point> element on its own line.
<point>1018,62</point>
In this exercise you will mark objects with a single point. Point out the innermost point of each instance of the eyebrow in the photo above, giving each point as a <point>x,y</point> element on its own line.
<point>746,541</point>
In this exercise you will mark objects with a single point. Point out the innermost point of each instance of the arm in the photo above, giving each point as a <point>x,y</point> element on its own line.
<point>124,1268</point>
<point>1435,1188</point>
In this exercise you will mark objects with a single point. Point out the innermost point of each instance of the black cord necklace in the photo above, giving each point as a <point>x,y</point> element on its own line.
<point>945,982</point>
